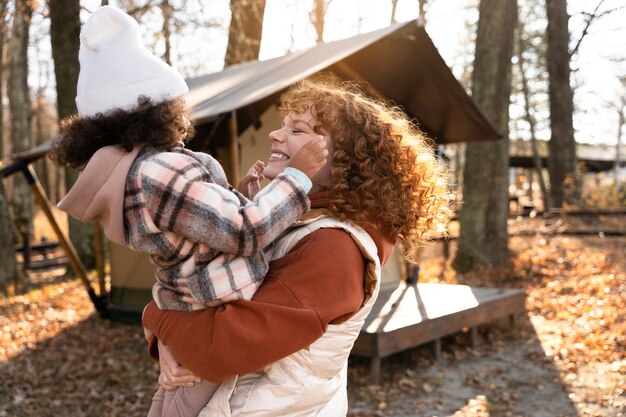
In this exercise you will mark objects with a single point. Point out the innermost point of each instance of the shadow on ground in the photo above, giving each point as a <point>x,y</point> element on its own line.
<point>507,374</point>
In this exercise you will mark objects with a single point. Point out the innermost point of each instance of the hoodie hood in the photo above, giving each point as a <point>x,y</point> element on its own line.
<point>98,194</point>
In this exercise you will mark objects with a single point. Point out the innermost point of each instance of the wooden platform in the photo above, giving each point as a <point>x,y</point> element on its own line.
<point>411,315</point>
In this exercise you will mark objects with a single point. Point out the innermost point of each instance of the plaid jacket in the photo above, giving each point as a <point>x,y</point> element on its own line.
<point>209,243</point>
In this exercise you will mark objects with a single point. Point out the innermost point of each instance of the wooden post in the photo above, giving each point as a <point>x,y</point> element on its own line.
<point>375,370</point>
<point>473,337</point>
<point>234,148</point>
<point>437,348</point>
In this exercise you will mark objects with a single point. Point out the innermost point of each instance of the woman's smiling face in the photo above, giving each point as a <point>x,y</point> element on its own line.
<point>297,129</point>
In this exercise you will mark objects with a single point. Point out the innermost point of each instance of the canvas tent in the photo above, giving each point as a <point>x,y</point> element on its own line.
<point>399,63</point>
<point>234,110</point>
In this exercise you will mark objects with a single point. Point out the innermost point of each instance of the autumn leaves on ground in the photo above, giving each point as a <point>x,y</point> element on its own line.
<point>566,357</point>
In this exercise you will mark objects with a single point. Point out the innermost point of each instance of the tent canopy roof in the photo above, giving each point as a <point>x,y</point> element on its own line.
<point>399,63</point>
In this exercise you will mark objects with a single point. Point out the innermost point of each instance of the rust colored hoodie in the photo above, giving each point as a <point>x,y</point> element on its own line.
<point>319,282</point>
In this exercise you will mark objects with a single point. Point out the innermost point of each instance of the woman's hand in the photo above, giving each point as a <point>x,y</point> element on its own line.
<point>251,183</point>
<point>148,334</point>
<point>172,374</point>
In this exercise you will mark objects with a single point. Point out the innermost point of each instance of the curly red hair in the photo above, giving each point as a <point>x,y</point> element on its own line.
<point>384,168</point>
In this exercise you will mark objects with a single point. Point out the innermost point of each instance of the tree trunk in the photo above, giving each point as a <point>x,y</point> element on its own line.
<point>530,119</point>
<point>7,253</point>
<point>244,33</point>
<point>621,121</point>
<point>38,137</point>
<point>3,39</point>
<point>618,147</point>
<point>167,11</point>
<point>562,158</point>
<point>65,40</point>
<point>317,18</point>
<point>64,37</point>
<point>484,215</point>
<point>421,18</point>
<point>20,111</point>
<point>244,44</point>
<point>394,6</point>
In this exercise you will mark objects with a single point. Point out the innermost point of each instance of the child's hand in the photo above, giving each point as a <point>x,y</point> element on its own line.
<point>251,183</point>
<point>311,157</point>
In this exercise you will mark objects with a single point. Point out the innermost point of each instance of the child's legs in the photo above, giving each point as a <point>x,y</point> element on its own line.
<point>186,401</point>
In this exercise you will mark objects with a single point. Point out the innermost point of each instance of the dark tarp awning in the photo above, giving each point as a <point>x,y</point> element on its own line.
<point>399,63</point>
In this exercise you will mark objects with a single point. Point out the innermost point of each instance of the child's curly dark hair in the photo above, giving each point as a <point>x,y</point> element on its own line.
<point>163,124</point>
<point>384,170</point>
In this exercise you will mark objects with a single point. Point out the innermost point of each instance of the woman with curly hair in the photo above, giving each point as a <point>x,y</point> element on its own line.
<point>209,243</point>
<point>285,352</point>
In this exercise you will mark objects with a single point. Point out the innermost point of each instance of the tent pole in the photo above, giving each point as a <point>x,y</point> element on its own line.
<point>234,147</point>
<point>21,163</point>
<point>99,249</point>
<point>72,256</point>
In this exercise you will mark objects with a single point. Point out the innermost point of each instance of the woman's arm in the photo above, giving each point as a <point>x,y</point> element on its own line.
<point>319,282</point>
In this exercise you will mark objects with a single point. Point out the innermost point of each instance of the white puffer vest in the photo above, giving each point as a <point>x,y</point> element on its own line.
<point>312,381</point>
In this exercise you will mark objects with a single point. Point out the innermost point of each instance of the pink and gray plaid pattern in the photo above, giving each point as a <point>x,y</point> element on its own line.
<point>209,243</point>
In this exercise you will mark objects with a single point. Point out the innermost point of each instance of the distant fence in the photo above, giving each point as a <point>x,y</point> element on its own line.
<point>42,255</point>
<point>592,224</point>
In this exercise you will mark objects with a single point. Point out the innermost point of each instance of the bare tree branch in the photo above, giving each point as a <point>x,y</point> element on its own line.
<point>316,16</point>
<point>591,17</point>
<point>394,5</point>
<point>138,11</point>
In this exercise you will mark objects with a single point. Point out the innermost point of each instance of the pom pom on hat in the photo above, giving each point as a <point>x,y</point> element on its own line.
<point>116,68</point>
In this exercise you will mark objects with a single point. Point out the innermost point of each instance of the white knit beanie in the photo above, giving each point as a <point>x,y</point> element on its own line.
<point>116,68</point>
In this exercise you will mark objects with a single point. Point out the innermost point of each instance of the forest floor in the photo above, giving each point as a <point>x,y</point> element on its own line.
<point>565,357</point>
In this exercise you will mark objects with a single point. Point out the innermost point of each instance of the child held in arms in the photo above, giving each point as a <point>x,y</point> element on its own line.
<point>209,242</point>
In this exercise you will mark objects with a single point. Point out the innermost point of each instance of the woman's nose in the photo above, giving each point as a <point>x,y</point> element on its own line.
<point>276,136</point>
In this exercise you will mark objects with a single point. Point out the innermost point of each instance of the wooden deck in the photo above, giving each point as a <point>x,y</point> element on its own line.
<point>411,315</point>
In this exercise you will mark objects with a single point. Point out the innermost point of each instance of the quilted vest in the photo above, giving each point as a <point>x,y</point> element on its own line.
<point>312,381</point>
